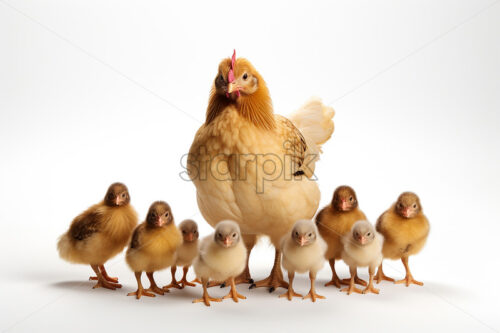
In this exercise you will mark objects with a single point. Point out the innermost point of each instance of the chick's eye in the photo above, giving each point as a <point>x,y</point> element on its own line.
<point>234,235</point>
<point>110,196</point>
<point>124,195</point>
<point>184,232</point>
<point>369,234</point>
<point>245,76</point>
<point>414,206</point>
<point>350,198</point>
<point>309,235</point>
<point>220,235</point>
<point>296,233</point>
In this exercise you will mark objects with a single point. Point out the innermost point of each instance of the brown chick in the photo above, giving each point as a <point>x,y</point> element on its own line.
<point>186,253</point>
<point>100,233</point>
<point>335,221</point>
<point>153,247</point>
<point>405,229</point>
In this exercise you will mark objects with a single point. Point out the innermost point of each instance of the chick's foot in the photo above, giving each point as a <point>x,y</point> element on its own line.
<point>313,296</point>
<point>352,288</point>
<point>357,280</point>
<point>289,294</point>
<point>106,284</point>
<point>380,276</point>
<point>409,280</point>
<point>141,292</point>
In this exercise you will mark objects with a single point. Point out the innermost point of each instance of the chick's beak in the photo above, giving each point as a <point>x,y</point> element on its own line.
<point>190,237</point>
<point>302,240</point>
<point>362,240</point>
<point>344,204</point>
<point>227,241</point>
<point>159,222</point>
<point>117,201</point>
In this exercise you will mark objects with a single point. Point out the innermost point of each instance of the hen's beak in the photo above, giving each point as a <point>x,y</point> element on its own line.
<point>302,240</point>
<point>233,87</point>
<point>227,242</point>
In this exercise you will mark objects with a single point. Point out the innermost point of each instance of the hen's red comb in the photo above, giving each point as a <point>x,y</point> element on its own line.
<point>230,75</point>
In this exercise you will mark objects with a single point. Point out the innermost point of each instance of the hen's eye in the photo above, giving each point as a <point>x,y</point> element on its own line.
<point>245,76</point>
<point>221,78</point>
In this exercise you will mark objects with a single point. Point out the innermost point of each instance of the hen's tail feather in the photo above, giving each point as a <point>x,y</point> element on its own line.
<point>315,122</point>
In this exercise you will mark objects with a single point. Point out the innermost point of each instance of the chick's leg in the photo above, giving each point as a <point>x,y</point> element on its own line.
<point>174,283</point>
<point>275,280</point>
<point>352,287</point>
<point>206,299</point>
<point>233,293</point>
<point>357,280</point>
<point>104,275</point>
<point>408,278</point>
<point>153,286</point>
<point>335,281</point>
<point>290,293</point>
<point>380,276</point>
<point>184,282</point>
<point>370,288</point>
<point>101,281</point>
<point>312,292</point>
<point>140,290</point>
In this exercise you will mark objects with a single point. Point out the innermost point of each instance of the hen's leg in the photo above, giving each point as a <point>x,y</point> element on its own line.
<point>101,281</point>
<point>408,278</point>
<point>174,283</point>
<point>335,281</point>
<point>184,282</point>
<point>275,280</point>
<point>153,286</point>
<point>206,299</point>
<point>290,292</point>
<point>370,287</point>
<point>104,275</point>
<point>352,287</point>
<point>140,290</point>
<point>312,292</point>
<point>381,276</point>
<point>233,293</point>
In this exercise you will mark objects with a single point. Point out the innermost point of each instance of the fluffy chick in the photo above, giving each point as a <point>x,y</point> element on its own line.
<point>405,229</point>
<point>185,253</point>
<point>362,247</point>
<point>336,220</point>
<point>303,251</point>
<point>222,256</point>
<point>153,247</point>
<point>100,233</point>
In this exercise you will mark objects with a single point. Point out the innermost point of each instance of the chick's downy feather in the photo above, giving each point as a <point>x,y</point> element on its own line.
<point>369,255</point>
<point>303,259</point>
<point>153,249</point>
<point>98,234</point>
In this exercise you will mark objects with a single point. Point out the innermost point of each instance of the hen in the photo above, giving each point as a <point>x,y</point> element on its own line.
<point>253,166</point>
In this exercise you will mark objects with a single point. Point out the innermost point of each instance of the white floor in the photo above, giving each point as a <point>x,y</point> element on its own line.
<point>93,92</point>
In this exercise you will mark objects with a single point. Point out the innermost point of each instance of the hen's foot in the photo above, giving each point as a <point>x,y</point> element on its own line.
<point>357,280</point>
<point>141,292</point>
<point>313,296</point>
<point>289,294</point>
<point>335,281</point>
<point>409,280</point>
<point>106,284</point>
<point>274,281</point>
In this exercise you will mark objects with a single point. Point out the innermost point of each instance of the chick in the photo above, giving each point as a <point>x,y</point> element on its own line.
<point>222,256</point>
<point>100,233</point>
<point>405,229</point>
<point>362,247</point>
<point>336,220</point>
<point>153,247</point>
<point>185,253</point>
<point>303,251</point>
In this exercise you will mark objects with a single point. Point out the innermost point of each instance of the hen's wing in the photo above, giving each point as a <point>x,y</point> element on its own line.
<point>294,145</point>
<point>85,225</point>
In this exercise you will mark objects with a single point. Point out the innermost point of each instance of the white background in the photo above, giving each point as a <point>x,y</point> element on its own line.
<point>93,92</point>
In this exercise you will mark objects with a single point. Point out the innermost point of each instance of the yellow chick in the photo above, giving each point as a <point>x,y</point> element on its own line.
<point>405,229</point>
<point>336,220</point>
<point>185,253</point>
<point>222,256</point>
<point>100,233</point>
<point>303,251</point>
<point>153,247</point>
<point>362,248</point>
